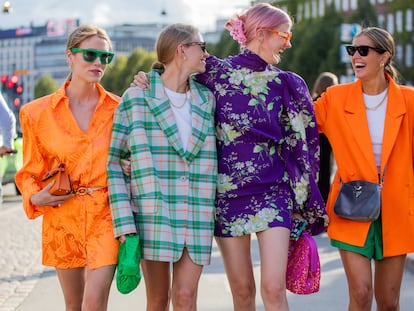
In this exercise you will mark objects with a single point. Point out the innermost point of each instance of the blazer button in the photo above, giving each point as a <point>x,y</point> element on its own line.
<point>183,178</point>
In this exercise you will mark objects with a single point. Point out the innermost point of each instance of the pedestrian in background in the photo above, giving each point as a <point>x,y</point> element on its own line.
<point>8,133</point>
<point>73,125</point>
<point>322,82</point>
<point>167,131</point>
<point>370,125</point>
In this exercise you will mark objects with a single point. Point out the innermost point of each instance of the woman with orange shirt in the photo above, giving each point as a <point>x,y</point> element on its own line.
<point>73,126</point>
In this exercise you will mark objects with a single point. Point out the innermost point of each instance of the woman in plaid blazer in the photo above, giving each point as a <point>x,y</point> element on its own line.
<point>167,130</point>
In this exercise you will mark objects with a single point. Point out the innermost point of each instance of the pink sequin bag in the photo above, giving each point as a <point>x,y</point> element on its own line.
<point>303,274</point>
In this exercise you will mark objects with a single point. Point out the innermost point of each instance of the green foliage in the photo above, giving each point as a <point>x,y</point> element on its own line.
<point>111,81</point>
<point>45,86</point>
<point>365,15</point>
<point>315,47</point>
<point>225,47</point>
<point>119,76</point>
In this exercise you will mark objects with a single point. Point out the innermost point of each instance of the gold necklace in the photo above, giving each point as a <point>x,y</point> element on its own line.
<point>180,105</point>
<point>377,105</point>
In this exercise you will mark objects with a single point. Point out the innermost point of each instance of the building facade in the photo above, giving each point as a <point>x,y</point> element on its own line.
<point>393,15</point>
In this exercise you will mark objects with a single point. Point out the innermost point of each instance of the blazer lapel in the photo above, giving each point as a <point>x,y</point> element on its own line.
<point>159,105</point>
<point>201,114</point>
<point>393,120</point>
<point>355,115</point>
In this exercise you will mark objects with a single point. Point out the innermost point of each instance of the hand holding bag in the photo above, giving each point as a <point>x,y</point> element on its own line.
<point>128,274</point>
<point>62,184</point>
<point>359,200</point>
<point>303,273</point>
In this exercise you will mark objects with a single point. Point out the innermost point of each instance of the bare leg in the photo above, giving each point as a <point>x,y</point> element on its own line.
<point>359,275</point>
<point>237,260</point>
<point>157,284</point>
<point>388,278</point>
<point>72,282</point>
<point>274,246</point>
<point>97,287</point>
<point>186,275</point>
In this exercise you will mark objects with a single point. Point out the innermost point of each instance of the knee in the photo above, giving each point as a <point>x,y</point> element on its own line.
<point>272,291</point>
<point>184,298</point>
<point>244,293</point>
<point>362,297</point>
<point>387,304</point>
<point>94,303</point>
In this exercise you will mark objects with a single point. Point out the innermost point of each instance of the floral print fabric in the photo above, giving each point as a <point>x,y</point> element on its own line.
<point>268,146</point>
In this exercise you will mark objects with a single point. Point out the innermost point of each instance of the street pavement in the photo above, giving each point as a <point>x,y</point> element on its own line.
<point>25,285</point>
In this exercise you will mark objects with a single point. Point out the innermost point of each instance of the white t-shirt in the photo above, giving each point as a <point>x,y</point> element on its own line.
<point>376,119</point>
<point>182,114</point>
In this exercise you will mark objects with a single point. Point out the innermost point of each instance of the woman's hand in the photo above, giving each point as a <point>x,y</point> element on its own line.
<point>297,216</point>
<point>140,80</point>
<point>6,151</point>
<point>44,198</point>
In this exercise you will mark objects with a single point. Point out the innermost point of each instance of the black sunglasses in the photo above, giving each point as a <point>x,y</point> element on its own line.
<point>362,50</point>
<point>202,45</point>
<point>89,55</point>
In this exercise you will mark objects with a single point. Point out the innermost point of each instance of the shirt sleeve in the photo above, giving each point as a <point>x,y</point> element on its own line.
<point>118,182</point>
<point>301,152</point>
<point>7,123</point>
<point>33,164</point>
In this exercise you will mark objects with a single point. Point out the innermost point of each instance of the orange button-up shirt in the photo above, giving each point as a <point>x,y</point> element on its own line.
<point>50,131</point>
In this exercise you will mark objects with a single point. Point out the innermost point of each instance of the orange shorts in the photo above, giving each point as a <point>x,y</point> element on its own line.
<point>79,233</point>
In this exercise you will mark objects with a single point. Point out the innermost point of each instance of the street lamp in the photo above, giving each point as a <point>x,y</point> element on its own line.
<point>6,7</point>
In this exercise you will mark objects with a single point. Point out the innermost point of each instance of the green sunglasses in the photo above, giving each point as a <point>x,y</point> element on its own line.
<point>89,55</point>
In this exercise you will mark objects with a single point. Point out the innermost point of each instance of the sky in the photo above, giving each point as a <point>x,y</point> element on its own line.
<point>201,13</point>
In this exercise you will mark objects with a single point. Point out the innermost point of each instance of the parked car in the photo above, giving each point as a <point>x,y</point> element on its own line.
<point>10,164</point>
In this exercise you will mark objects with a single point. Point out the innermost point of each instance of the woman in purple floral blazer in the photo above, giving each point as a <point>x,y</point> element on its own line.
<point>268,155</point>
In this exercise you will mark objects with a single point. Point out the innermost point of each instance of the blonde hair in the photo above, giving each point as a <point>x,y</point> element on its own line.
<point>383,40</point>
<point>82,33</point>
<point>168,41</point>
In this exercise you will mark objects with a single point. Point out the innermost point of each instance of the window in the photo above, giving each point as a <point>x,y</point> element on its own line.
<point>409,20</point>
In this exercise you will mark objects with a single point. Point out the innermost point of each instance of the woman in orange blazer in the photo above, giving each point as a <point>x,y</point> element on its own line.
<point>370,125</point>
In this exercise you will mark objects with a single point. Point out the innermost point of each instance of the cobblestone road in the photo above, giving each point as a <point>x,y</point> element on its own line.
<point>20,251</point>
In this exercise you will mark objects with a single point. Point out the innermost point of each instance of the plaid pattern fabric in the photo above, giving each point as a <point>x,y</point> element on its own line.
<point>169,198</point>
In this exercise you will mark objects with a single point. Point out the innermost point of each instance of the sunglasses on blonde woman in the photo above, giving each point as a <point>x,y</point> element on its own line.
<point>362,50</point>
<point>202,45</point>
<point>90,55</point>
<point>285,35</point>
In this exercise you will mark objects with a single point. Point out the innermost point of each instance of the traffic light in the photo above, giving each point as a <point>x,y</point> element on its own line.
<point>4,79</point>
<point>17,102</point>
<point>14,79</point>
<point>19,89</point>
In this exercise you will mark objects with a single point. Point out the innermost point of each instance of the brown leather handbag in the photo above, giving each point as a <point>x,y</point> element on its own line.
<point>62,184</point>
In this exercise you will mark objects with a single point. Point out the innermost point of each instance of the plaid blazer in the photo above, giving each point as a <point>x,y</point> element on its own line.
<point>169,198</point>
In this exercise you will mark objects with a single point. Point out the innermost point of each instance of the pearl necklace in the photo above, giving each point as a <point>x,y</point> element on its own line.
<point>377,105</point>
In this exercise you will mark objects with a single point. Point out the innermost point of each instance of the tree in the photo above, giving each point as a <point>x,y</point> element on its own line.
<point>315,47</point>
<point>45,86</point>
<point>118,77</point>
<point>111,81</point>
<point>365,15</point>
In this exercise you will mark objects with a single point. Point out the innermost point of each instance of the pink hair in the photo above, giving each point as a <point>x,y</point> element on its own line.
<point>244,27</point>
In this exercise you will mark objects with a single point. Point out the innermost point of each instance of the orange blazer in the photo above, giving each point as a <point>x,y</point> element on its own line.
<point>341,116</point>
